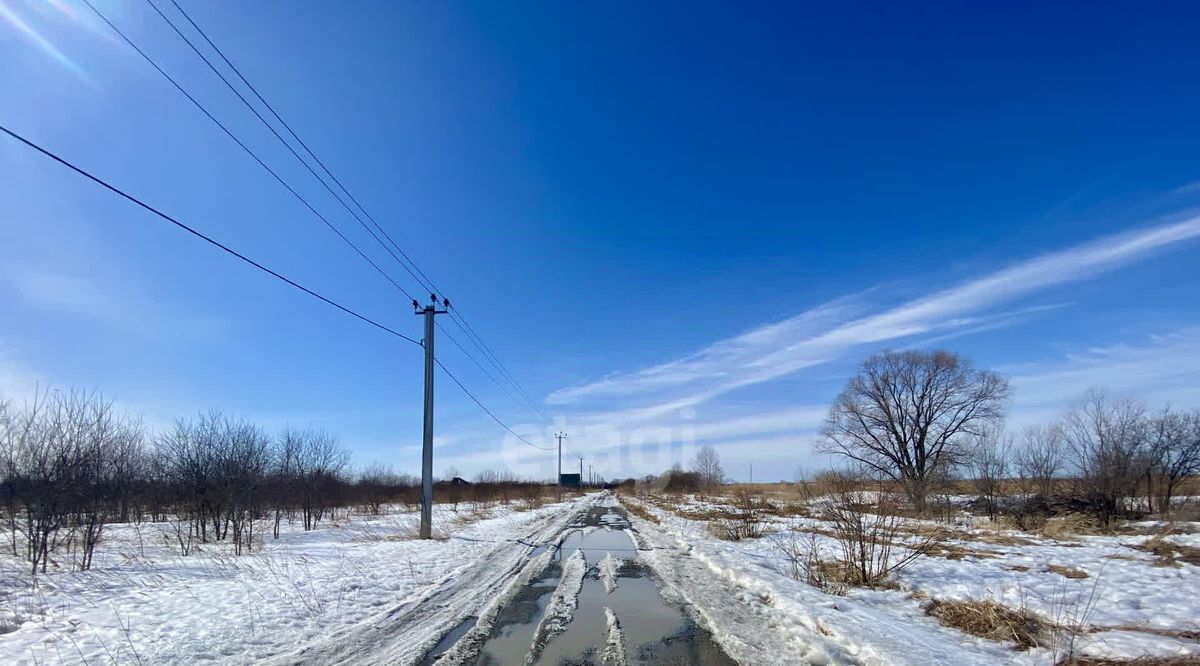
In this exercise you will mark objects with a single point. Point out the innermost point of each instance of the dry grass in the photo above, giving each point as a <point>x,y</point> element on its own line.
<point>1003,539</point>
<point>1127,558</point>
<point>1169,554</point>
<point>636,508</point>
<point>1184,634</point>
<point>1185,660</point>
<point>1069,572</point>
<point>988,619</point>
<point>953,551</point>
<point>1070,525</point>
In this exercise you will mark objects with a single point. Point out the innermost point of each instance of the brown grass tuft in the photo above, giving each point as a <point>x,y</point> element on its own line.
<point>1169,554</point>
<point>953,551</point>
<point>1069,572</point>
<point>988,619</point>
<point>1184,660</point>
<point>636,508</point>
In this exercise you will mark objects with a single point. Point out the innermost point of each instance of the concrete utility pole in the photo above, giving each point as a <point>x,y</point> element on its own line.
<point>559,437</point>
<point>429,311</point>
<point>581,470</point>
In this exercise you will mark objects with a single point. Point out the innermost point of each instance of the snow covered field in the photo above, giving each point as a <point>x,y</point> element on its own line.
<point>362,590</point>
<point>308,596</point>
<point>1120,601</point>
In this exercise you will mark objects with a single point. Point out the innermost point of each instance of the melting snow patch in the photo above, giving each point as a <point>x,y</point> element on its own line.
<point>614,649</point>
<point>609,566</point>
<point>562,604</point>
<point>467,648</point>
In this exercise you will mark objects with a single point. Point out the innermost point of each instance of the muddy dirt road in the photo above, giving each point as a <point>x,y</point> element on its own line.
<point>592,603</point>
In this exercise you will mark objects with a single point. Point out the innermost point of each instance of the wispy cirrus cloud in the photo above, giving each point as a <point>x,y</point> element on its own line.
<point>826,333</point>
<point>662,412</point>
<point>1158,369</point>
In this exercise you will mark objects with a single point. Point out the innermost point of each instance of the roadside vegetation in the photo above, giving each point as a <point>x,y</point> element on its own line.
<point>1028,538</point>
<point>72,465</point>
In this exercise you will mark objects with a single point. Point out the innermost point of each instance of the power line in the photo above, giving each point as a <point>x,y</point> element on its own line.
<point>466,327</point>
<point>244,147</point>
<point>142,204</point>
<point>485,409</point>
<point>478,364</point>
<point>407,263</point>
<point>116,190</point>
<point>415,271</point>
<point>277,135</point>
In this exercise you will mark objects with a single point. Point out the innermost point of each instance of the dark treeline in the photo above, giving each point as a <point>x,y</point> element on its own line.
<point>70,464</point>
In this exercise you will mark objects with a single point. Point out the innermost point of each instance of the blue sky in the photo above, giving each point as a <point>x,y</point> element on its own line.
<point>676,225</point>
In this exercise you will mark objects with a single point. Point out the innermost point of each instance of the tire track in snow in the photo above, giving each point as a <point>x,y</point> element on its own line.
<point>405,633</point>
<point>562,605</point>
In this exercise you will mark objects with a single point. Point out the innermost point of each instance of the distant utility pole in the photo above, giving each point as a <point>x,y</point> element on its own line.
<point>429,311</point>
<point>559,437</point>
<point>581,470</point>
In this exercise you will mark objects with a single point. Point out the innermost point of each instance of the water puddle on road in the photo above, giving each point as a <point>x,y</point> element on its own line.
<point>615,586</point>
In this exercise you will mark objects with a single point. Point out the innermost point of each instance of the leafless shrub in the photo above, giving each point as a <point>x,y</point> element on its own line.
<point>377,486</point>
<point>744,520</point>
<point>531,496</point>
<point>871,532</point>
<point>1106,441</point>
<point>1039,460</point>
<point>65,459</point>
<point>801,557</point>
<point>987,462</point>
<point>1174,455</point>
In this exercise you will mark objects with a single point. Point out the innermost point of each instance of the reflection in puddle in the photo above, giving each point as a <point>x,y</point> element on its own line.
<point>448,640</point>
<point>651,630</point>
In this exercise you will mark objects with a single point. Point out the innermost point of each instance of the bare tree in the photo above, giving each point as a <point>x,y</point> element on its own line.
<point>907,414</point>
<point>987,462</point>
<point>1039,459</point>
<point>1106,440</point>
<point>1174,454</point>
<point>708,465</point>
<point>321,462</point>
<point>452,486</point>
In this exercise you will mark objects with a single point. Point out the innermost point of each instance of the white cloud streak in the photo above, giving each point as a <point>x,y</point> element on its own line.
<point>822,334</point>
<point>1160,369</point>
